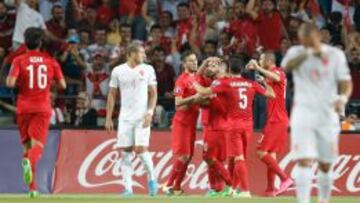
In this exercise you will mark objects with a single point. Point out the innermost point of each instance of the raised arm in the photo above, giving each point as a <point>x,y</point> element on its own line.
<point>250,9</point>
<point>268,74</point>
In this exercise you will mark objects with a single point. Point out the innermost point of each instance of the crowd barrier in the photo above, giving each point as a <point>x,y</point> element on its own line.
<point>83,161</point>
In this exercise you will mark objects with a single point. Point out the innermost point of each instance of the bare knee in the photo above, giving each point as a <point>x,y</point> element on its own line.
<point>261,154</point>
<point>239,158</point>
<point>305,162</point>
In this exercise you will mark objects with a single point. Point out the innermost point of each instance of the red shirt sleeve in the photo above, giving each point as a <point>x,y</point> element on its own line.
<point>259,89</point>
<point>58,75</point>
<point>179,88</point>
<point>15,68</point>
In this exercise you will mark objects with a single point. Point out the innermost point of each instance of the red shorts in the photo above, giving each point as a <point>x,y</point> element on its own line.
<point>238,141</point>
<point>273,138</point>
<point>183,139</point>
<point>215,144</point>
<point>33,126</point>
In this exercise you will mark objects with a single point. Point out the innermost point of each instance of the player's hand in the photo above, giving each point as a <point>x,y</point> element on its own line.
<point>147,120</point>
<point>109,125</point>
<point>340,105</point>
<point>252,65</point>
<point>260,79</point>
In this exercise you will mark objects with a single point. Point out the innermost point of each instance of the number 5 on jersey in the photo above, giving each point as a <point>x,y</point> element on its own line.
<point>41,79</point>
<point>243,101</point>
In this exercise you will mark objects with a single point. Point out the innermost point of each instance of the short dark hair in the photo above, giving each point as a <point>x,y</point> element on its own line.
<point>236,65</point>
<point>156,26</point>
<point>133,47</point>
<point>33,38</point>
<point>186,54</point>
<point>55,7</point>
<point>169,13</point>
<point>183,5</point>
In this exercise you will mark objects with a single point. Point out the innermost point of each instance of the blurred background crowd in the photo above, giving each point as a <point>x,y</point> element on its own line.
<point>89,37</point>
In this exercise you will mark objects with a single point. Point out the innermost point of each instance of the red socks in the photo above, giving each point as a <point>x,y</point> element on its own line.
<point>180,176</point>
<point>34,154</point>
<point>274,166</point>
<point>231,166</point>
<point>177,166</point>
<point>241,176</point>
<point>270,180</point>
<point>222,172</point>
<point>212,178</point>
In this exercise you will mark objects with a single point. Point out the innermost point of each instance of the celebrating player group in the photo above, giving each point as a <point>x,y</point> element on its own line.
<point>225,97</point>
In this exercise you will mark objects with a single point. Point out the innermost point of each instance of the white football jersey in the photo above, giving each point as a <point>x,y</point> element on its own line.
<point>316,80</point>
<point>133,85</point>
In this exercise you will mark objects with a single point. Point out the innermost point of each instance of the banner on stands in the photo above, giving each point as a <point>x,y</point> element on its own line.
<point>87,163</point>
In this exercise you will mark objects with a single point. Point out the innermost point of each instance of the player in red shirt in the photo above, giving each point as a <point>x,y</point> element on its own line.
<point>184,123</point>
<point>33,73</point>
<point>275,132</point>
<point>239,94</point>
<point>214,119</point>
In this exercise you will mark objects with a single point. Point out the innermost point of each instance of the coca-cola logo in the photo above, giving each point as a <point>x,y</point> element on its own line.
<point>103,161</point>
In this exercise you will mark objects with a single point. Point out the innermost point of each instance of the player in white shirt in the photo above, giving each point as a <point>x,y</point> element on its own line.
<point>322,88</point>
<point>138,92</point>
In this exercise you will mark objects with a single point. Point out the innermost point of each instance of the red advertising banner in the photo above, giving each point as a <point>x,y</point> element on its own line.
<point>87,163</point>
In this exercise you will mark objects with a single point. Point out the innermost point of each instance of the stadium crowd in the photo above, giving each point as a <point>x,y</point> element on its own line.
<point>89,37</point>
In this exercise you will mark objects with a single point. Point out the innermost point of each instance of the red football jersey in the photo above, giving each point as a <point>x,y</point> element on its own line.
<point>184,88</point>
<point>239,94</point>
<point>276,108</point>
<point>34,72</point>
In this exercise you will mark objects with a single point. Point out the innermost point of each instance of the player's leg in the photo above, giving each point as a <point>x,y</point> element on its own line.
<point>181,139</point>
<point>274,135</point>
<point>38,131</point>
<point>304,149</point>
<point>23,121</point>
<point>142,139</point>
<point>328,152</point>
<point>125,141</point>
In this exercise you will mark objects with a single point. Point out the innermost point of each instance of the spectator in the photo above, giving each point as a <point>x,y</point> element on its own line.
<point>100,45</point>
<point>84,116</point>
<point>244,30</point>
<point>7,23</point>
<point>284,46</point>
<point>57,114</point>
<point>183,24</point>
<point>72,66</point>
<point>325,36</point>
<point>84,36</point>
<point>269,23</point>
<point>293,26</point>
<point>56,25</point>
<point>157,38</point>
<point>87,20</point>
<point>118,53</point>
<point>105,13</point>
<point>335,27</point>
<point>167,25</point>
<point>165,76</point>
<point>134,12</point>
<point>350,123</point>
<point>172,7</point>
<point>27,16</point>
<point>97,82</point>
<point>46,6</point>
<point>225,44</point>
<point>113,37</point>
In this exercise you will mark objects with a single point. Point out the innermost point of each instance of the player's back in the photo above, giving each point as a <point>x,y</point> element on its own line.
<point>35,73</point>
<point>316,78</point>
<point>241,97</point>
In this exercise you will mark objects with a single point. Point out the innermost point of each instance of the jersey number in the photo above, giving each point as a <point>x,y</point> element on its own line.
<point>243,102</point>
<point>41,76</point>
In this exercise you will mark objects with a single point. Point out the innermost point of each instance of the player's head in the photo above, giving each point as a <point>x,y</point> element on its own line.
<point>309,35</point>
<point>236,65</point>
<point>212,68</point>
<point>33,38</point>
<point>267,59</point>
<point>136,52</point>
<point>32,3</point>
<point>189,61</point>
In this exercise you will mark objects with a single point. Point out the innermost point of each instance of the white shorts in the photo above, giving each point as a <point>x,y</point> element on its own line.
<point>131,133</point>
<point>314,134</point>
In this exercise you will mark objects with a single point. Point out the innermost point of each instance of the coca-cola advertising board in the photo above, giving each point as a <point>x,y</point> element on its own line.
<point>87,163</point>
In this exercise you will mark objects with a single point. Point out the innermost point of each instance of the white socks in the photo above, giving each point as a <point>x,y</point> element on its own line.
<point>127,170</point>
<point>303,179</point>
<point>325,181</point>
<point>148,164</point>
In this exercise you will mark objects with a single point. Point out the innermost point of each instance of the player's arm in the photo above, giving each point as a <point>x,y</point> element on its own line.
<point>11,81</point>
<point>13,74</point>
<point>268,74</point>
<point>203,90</point>
<point>294,58</point>
<point>59,77</point>
<point>110,108</point>
<point>180,101</point>
<point>267,92</point>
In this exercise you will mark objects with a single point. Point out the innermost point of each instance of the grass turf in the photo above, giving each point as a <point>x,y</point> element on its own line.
<point>107,198</point>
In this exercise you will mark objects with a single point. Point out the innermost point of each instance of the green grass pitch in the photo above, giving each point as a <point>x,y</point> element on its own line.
<point>107,198</point>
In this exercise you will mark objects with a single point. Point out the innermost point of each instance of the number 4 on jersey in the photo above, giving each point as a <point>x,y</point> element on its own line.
<point>41,76</point>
